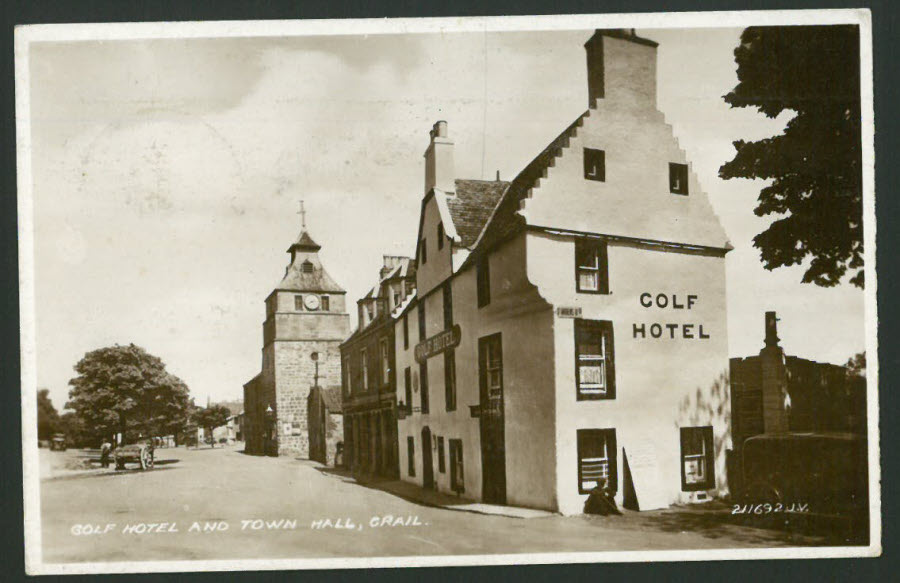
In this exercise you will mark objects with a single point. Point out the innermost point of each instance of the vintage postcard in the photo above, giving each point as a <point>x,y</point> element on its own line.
<point>377,293</point>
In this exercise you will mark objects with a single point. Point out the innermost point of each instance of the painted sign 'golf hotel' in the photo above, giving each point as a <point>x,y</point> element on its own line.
<point>567,327</point>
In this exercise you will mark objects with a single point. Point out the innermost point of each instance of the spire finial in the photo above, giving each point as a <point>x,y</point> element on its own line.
<point>302,213</point>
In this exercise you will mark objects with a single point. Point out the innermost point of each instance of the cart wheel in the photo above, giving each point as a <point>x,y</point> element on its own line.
<point>146,458</point>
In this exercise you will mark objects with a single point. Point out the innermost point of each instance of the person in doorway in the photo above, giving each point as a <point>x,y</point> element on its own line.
<point>601,501</point>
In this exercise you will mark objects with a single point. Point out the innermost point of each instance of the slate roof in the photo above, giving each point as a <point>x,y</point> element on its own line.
<point>305,243</point>
<point>472,206</point>
<point>506,219</point>
<point>333,400</point>
<point>317,280</point>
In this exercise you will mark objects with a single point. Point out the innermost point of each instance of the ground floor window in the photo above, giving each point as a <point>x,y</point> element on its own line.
<point>411,456</point>
<point>596,459</point>
<point>697,459</point>
<point>440,445</point>
<point>457,478</point>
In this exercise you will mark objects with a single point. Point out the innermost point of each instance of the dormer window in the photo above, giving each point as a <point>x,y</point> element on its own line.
<point>306,267</point>
<point>678,178</point>
<point>595,164</point>
<point>440,235</point>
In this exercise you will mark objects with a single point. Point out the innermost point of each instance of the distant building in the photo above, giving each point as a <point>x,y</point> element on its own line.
<point>305,319</point>
<point>231,431</point>
<point>370,375</point>
<point>569,327</point>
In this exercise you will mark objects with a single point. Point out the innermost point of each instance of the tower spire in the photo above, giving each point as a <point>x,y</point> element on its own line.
<point>302,213</point>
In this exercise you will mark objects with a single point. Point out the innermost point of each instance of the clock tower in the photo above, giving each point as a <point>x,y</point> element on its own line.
<point>306,321</point>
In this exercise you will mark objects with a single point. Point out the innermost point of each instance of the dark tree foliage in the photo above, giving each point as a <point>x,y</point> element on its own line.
<point>125,389</point>
<point>210,418</point>
<point>77,434</point>
<point>856,366</point>
<point>815,166</point>
<point>47,416</point>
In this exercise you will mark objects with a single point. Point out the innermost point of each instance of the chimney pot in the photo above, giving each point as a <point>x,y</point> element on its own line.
<point>440,129</point>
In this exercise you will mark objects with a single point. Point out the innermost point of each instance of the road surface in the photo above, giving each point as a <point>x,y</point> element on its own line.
<point>223,504</point>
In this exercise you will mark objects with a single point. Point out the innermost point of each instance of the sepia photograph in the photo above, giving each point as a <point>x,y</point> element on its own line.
<point>447,291</point>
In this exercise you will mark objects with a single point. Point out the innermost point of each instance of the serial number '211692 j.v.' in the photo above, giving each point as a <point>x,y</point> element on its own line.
<point>769,508</point>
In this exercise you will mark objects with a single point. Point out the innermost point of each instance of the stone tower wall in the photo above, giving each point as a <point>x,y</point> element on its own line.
<point>294,373</point>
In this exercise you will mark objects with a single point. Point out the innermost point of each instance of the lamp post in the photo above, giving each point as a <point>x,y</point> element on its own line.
<point>315,358</point>
<point>270,425</point>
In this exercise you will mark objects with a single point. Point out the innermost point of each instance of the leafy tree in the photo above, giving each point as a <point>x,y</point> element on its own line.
<point>125,389</point>
<point>815,166</point>
<point>211,417</point>
<point>856,366</point>
<point>75,429</point>
<point>48,417</point>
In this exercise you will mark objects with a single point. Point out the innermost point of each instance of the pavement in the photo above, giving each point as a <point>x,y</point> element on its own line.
<point>222,504</point>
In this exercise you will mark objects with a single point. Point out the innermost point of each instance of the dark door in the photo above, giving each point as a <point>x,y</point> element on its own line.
<point>427,466</point>
<point>493,449</point>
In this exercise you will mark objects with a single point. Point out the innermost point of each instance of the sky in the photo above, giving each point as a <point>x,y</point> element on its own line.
<point>167,176</point>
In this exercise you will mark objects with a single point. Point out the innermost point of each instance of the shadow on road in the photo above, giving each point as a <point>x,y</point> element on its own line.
<point>165,462</point>
<point>105,473</point>
<point>404,490</point>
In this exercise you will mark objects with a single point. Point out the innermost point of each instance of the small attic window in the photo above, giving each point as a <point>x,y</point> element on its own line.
<point>440,235</point>
<point>678,178</point>
<point>595,165</point>
<point>306,267</point>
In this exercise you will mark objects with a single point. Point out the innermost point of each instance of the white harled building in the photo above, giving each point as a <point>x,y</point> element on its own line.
<point>570,325</point>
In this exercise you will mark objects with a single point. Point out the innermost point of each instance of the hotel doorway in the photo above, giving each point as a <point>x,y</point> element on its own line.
<point>427,464</point>
<point>493,446</point>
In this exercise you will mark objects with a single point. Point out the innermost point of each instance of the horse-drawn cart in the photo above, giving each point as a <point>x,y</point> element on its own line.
<point>139,453</point>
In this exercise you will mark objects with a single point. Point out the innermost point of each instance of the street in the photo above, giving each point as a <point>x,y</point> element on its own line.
<point>222,504</point>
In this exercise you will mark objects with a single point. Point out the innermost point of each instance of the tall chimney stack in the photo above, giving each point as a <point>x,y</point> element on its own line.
<point>440,171</point>
<point>621,66</point>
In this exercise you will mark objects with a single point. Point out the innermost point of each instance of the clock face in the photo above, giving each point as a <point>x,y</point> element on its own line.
<point>311,302</point>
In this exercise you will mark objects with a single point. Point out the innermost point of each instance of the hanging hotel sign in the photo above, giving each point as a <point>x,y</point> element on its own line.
<point>438,343</point>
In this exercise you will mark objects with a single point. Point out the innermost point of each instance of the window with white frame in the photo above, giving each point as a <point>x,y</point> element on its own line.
<point>697,459</point>
<point>364,368</point>
<point>591,266</point>
<point>594,360</point>
<point>385,362</point>
<point>596,459</point>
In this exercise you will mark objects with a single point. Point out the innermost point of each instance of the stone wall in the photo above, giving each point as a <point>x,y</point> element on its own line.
<point>294,375</point>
